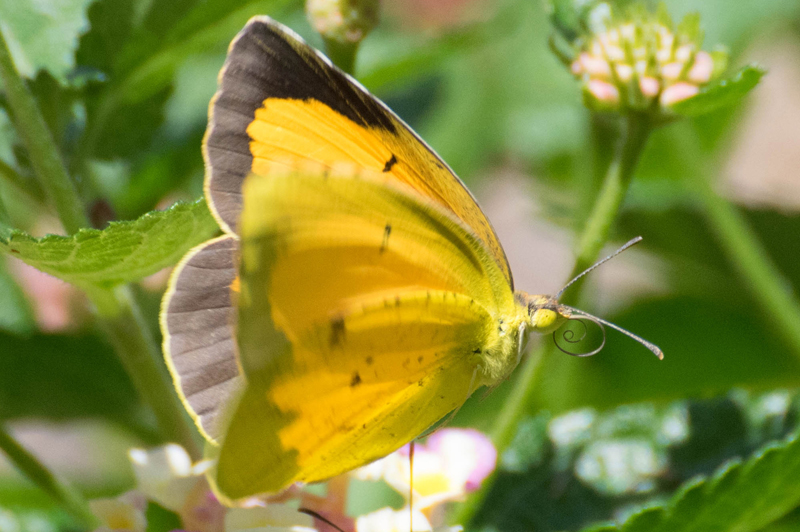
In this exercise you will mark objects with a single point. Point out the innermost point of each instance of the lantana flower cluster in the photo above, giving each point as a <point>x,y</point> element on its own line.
<point>641,61</point>
<point>449,465</point>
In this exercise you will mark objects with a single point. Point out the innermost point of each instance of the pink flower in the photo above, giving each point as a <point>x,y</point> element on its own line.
<point>604,91</point>
<point>678,92</point>
<point>452,463</point>
<point>469,448</point>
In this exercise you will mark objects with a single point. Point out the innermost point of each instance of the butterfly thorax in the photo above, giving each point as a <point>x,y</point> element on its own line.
<point>503,347</point>
<point>540,313</point>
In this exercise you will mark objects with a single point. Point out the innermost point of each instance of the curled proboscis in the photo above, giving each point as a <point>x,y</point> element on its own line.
<point>569,336</point>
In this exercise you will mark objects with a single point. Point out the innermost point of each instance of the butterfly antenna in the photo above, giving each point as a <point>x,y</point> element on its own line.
<point>649,345</point>
<point>322,518</point>
<point>628,244</point>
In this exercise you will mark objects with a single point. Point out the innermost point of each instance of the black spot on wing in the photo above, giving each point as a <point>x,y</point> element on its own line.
<point>387,230</point>
<point>390,163</point>
<point>355,380</point>
<point>338,331</point>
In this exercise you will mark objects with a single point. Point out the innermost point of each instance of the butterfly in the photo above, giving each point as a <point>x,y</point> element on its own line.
<point>358,294</point>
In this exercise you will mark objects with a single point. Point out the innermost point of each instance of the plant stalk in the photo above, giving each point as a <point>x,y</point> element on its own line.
<point>67,497</point>
<point>45,158</point>
<point>123,323</point>
<point>343,54</point>
<point>748,256</point>
<point>118,313</point>
<point>29,186</point>
<point>633,137</point>
<point>5,219</point>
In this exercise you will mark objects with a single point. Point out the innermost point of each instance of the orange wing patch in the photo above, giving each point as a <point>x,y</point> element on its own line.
<point>280,101</point>
<point>285,131</point>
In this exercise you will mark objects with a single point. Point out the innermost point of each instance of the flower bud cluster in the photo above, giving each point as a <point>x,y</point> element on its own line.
<point>344,21</point>
<point>640,63</point>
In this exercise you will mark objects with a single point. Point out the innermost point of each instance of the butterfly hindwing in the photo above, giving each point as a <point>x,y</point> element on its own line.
<point>363,310</point>
<point>280,100</point>
<point>354,389</point>
<point>199,325</point>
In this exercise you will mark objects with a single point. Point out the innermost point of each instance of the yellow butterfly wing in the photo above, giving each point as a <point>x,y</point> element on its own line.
<point>279,100</point>
<point>367,313</point>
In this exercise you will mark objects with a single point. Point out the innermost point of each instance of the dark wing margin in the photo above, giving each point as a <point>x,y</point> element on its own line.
<point>198,321</point>
<point>267,60</point>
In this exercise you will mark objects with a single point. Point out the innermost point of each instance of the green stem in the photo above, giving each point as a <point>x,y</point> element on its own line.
<point>633,137</point>
<point>29,186</point>
<point>128,332</point>
<point>69,499</point>
<point>751,260</point>
<point>342,54</point>
<point>118,313</point>
<point>44,155</point>
<point>5,219</point>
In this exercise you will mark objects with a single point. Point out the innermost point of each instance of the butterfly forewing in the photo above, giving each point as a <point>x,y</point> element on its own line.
<point>280,100</point>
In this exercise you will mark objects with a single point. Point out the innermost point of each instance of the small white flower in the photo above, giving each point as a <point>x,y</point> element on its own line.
<point>572,428</point>
<point>166,474</point>
<point>390,520</point>
<point>268,518</point>
<point>123,513</point>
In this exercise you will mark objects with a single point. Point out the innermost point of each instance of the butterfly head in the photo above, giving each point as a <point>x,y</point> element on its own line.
<point>544,313</point>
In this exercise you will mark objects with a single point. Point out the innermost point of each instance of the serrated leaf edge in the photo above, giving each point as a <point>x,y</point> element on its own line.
<point>707,484</point>
<point>90,232</point>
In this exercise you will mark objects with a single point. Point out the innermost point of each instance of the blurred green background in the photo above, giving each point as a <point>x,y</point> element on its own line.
<point>125,85</point>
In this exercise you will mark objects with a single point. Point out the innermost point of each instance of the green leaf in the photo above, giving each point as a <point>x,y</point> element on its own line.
<point>159,519</point>
<point>789,523</point>
<point>145,66</point>
<point>147,71</point>
<point>740,497</point>
<point>43,35</point>
<point>110,26</point>
<point>121,253</point>
<point>60,377</point>
<point>387,59</point>
<point>15,313</point>
<point>721,94</point>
